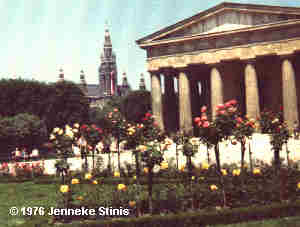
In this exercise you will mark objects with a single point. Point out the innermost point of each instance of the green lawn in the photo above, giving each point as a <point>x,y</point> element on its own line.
<point>283,222</point>
<point>29,194</point>
<point>25,194</point>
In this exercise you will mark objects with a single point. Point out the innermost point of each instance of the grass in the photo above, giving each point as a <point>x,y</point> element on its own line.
<point>21,195</point>
<point>282,222</point>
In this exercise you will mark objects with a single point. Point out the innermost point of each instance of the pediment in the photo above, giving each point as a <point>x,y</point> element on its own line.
<point>225,17</point>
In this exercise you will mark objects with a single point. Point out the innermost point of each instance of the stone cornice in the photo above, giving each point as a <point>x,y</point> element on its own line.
<point>245,52</point>
<point>214,10</point>
<point>215,35</point>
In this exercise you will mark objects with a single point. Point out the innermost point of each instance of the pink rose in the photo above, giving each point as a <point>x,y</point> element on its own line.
<point>220,106</point>
<point>203,109</point>
<point>197,119</point>
<point>205,124</point>
<point>233,102</point>
<point>239,119</point>
<point>204,118</point>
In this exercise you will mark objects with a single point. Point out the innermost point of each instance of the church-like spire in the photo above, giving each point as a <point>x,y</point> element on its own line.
<point>83,82</point>
<point>142,82</point>
<point>107,40</point>
<point>124,80</point>
<point>61,75</point>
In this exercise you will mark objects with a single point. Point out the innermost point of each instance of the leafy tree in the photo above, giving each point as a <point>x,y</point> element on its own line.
<point>135,105</point>
<point>22,130</point>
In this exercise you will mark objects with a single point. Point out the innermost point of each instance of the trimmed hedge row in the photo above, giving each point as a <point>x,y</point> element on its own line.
<point>201,218</point>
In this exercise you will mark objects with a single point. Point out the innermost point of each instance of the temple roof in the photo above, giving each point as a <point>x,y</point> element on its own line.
<point>224,17</point>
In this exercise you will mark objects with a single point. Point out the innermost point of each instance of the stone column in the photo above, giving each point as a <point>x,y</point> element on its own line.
<point>185,108</point>
<point>216,91</point>
<point>289,92</point>
<point>156,94</point>
<point>251,91</point>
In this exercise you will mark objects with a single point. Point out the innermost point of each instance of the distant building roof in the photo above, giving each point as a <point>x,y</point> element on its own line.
<point>93,90</point>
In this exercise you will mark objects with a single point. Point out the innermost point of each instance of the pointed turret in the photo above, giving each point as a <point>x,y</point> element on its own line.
<point>142,82</point>
<point>83,84</point>
<point>61,75</point>
<point>124,80</point>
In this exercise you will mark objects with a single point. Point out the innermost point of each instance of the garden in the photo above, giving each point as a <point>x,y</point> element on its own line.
<point>156,191</point>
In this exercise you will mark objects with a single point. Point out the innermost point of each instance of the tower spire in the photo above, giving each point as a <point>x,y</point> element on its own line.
<point>83,82</point>
<point>142,82</point>
<point>61,75</point>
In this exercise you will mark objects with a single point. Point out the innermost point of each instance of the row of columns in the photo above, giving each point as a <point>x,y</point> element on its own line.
<point>252,102</point>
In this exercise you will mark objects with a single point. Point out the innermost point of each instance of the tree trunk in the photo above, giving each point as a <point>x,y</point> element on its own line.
<point>119,157</point>
<point>276,161</point>
<point>109,162</point>
<point>217,154</point>
<point>137,165</point>
<point>150,182</point>
<point>176,156</point>
<point>207,151</point>
<point>243,149</point>
<point>190,169</point>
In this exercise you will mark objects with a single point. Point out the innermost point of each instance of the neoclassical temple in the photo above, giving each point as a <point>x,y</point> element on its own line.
<point>246,52</point>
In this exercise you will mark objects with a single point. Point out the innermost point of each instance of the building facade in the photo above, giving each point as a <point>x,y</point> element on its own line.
<point>246,52</point>
<point>108,86</point>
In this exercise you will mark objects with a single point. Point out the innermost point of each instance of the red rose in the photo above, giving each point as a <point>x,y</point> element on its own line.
<point>233,102</point>
<point>220,106</point>
<point>99,130</point>
<point>204,118</point>
<point>239,119</point>
<point>84,126</point>
<point>148,115</point>
<point>197,119</point>
<point>115,110</point>
<point>222,112</point>
<point>205,124</point>
<point>281,108</point>
<point>233,142</point>
<point>145,119</point>
<point>199,123</point>
<point>203,109</point>
<point>227,104</point>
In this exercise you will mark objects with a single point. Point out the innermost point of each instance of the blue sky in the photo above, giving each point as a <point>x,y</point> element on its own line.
<point>38,37</point>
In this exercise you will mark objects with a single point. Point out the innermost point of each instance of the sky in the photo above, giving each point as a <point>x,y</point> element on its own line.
<point>38,37</point>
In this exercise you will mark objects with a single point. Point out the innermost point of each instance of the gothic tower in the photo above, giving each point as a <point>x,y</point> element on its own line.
<point>142,83</point>
<point>108,78</point>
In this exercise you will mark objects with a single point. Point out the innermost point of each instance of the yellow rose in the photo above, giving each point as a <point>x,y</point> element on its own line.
<point>193,177</point>
<point>236,172</point>
<point>224,172</point>
<point>56,130</point>
<point>256,171</point>
<point>142,148</point>
<point>116,174</point>
<point>134,177</point>
<point>146,170</point>
<point>76,125</point>
<point>52,137</point>
<point>60,132</point>
<point>64,188</point>
<point>121,187</point>
<point>298,185</point>
<point>205,166</point>
<point>164,165</point>
<point>75,130</point>
<point>95,182</point>
<point>132,203</point>
<point>75,181</point>
<point>213,187</point>
<point>87,176</point>
<point>79,198</point>
<point>70,134</point>
<point>182,168</point>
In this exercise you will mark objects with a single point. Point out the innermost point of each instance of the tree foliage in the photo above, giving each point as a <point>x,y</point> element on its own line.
<point>56,104</point>
<point>22,130</point>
